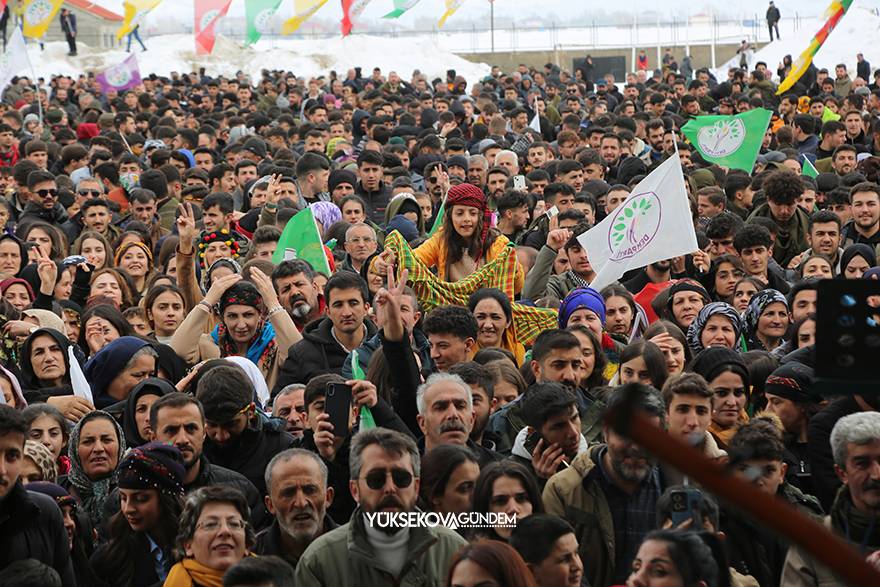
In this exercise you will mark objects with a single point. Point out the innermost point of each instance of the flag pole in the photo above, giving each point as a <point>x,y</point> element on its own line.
<point>36,86</point>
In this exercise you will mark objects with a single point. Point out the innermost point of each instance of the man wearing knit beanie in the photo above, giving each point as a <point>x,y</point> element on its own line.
<point>340,184</point>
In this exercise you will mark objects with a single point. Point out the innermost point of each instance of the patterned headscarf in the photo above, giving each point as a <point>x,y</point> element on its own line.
<point>466,194</point>
<point>695,330</point>
<point>92,493</point>
<point>231,240</point>
<point>757,305</point>
<point>327,213</point>
<point>262,348</point>
<point>43,459</point>
<point>207,278</point>
<point>153,466</point>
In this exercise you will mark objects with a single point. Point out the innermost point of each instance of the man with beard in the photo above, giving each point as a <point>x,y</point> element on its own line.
<point>298,498</point>
<point>556,357</point>
<point>658,272</point>
<point>865,224</point>
<point>178,419</point>
<point>855,444</point>
<point>610,493</point>
<point>289,405</point>
<point>446,415</point>
<point>294,281</point>
<point>384,471</point>
<point>237,437</point>
<point>552,415</point>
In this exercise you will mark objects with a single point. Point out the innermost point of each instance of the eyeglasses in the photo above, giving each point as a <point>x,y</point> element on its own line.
<point>214,524</point>
<point>46,193</point>
<point>88,192</point>
<point>376,478</point>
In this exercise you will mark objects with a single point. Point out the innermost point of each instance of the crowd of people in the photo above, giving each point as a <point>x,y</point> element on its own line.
<point>187,405</point>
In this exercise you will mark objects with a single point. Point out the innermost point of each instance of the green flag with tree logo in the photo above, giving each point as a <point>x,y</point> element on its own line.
<point>729,141</point>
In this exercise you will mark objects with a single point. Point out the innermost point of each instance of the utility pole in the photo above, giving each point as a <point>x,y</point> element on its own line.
<point>492,22</point>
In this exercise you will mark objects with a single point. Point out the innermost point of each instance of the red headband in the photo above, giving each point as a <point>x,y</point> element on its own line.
<point>466,194</point>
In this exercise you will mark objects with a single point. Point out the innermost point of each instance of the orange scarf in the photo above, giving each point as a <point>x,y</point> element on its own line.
<point>188,573</point>
<point>724,436</point>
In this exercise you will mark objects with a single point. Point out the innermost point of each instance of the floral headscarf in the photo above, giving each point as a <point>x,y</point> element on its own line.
<point>225,235</point>
<point>757,305</point>
<point>92,494</point>
<point>327,213</point>
<point>262,348</point>
<point>695,330</point>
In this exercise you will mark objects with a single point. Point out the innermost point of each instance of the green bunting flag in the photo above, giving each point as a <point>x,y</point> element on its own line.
<point>300,240</point>
<point>259,15</point>
<point>729,141</point>
<point>367,420</point>
<point>808,170</point>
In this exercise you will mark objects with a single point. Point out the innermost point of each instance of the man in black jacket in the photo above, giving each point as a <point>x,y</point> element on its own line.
<point>327,342</point>
<point>238,437</point>
<point>298,498</point>
<point>68,27</point>
<point>31,525</point>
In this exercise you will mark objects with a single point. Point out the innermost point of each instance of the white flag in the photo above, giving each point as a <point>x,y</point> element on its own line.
<point>14,60</point>
<point>653,224</point>
<point>535,122</point>
<point>78,381</point>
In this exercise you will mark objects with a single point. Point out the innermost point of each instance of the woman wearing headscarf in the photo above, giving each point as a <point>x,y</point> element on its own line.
<point>584,305</point>
<point>136,409</point>
<point>683,302</point>
<point>18,292</point>
<point>96,444</point>
<point>326,214</point>
<point>13,256</point>
<point>150,482</point>
<point>465,241</point>
<point>218,269</point>
<point>11,388</point>
<point>45,373</point>
<point>856,259</point>
<point>728,378</point>
<point>766,320</point>
<point>117,368</point>
<point>252,323</point>
<point>717,324</point>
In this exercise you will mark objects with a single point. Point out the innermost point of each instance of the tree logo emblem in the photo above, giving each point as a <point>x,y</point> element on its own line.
<point>634,225</point>
<point>722,138</point>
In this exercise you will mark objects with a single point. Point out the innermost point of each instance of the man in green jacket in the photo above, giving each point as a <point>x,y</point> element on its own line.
<point>609,494</point>
<point>782,189</point>
<point>384,467</point>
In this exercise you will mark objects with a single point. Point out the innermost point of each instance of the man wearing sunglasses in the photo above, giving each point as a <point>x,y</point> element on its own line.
<point>44,203</point>
<point>384,468</point>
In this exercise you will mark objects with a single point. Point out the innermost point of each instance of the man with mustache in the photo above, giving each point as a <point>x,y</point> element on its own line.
<point>294,282</point>
<point>298,498</point>
<point>446,415</point>
<point>32,525</point>
<point>289,405</point>
<point>179,419</point>
<point>610,493</point>
<point>865,224</point>
<point>384,470</point>
<point>855,444</point>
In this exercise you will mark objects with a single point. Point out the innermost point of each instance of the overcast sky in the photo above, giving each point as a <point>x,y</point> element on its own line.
<point>562,11</point>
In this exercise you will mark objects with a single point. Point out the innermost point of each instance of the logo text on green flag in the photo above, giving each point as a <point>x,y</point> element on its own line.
<point>300,240</point>
<point>729,141</point>
<point>259,15</point>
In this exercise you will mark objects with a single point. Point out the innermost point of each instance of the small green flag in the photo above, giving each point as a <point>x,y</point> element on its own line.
<point>259,15</point>
<point>401,6</point>
<point>438,218</point>
<point>300,240</point>
<point>367,420</point>
<point>729,141</point>
<point>807,169</point>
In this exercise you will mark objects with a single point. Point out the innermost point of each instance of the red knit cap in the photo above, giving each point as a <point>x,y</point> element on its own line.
<point>467,194</point>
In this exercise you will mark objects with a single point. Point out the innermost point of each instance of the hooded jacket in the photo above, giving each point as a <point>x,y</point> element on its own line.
<point>107,364</point>
<point>251,452</point>
<point>396,204</point>
<point>151,385</point>
<point>791,239</point>
<point>317,353</point>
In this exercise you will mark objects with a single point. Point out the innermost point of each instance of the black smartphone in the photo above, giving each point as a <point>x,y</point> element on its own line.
<point>686,506</point>
<point>531,441</point>
<point>337,405</point>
